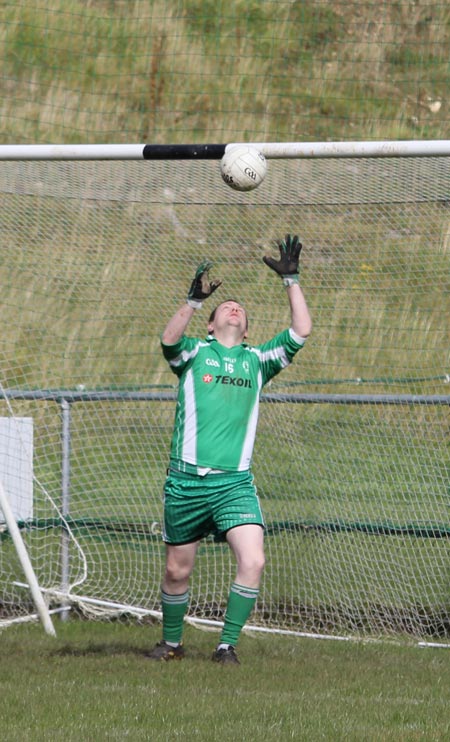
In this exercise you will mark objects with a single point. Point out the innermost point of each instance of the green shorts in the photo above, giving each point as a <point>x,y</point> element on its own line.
<point>196,506</point>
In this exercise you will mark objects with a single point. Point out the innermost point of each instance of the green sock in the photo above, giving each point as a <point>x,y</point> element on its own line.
<point>174,608</point>
<point>241,601</point>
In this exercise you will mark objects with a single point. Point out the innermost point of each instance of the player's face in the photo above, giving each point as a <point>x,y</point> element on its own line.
<point>229,314</point>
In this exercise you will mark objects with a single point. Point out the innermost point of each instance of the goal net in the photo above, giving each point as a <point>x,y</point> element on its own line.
<point>351,459</point>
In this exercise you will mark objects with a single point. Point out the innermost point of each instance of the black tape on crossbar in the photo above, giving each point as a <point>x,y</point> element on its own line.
<point>183,151</point>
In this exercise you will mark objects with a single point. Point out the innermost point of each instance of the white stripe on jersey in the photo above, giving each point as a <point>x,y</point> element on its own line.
<point>186,355</point>
<point>247,448</point>
<point>273,355</point>
<point>189,450</point>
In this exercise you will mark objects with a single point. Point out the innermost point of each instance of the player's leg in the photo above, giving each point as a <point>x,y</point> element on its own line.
<point>174,592</point>
<point>186,516</point>
<point>180,561</point>
<point>247,544</point>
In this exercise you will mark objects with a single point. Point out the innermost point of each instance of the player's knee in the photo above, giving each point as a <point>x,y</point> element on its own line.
<point>253,564</point>
<point>177,572</point>
<point>260,563</point>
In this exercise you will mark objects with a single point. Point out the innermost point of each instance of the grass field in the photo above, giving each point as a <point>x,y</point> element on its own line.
<point>94,683</point>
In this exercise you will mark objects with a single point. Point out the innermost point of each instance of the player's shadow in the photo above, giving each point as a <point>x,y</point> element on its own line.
<point>111,649</point>
<point>103,649</point>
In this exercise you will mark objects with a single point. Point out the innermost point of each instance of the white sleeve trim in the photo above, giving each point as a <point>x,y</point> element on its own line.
<point>297,338</point>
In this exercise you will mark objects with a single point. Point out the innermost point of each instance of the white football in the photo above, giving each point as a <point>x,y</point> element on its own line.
<point>243,168</point>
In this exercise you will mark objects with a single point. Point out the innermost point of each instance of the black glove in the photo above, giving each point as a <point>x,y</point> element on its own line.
<point>201,286</point>
<point>287,265</point>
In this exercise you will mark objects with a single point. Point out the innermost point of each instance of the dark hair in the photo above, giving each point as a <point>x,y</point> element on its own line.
<point>213,313</point>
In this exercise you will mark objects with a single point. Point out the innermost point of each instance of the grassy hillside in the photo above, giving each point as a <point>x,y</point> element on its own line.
<point>202,70</point>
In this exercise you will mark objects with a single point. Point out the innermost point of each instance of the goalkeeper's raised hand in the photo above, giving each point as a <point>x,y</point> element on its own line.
<point>201,286</point>
<point>287,265</point>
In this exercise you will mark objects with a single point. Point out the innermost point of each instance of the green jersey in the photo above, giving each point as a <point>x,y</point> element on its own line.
<point>218,397</point>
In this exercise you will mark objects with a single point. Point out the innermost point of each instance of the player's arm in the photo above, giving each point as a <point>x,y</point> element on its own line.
<point>301,321</point>
<point>201,288</point>
<point>287,267</point>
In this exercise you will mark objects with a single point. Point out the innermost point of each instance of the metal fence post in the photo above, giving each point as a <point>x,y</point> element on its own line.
<point>65,499</point>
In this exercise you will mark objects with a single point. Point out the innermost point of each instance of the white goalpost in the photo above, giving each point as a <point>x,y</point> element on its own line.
<point>98,247</point>
<point>24,559</point>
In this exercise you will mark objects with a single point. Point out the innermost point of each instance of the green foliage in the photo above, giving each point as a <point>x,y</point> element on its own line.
<point>318,26</point>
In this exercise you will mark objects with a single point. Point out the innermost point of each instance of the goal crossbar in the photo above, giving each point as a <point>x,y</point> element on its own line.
<point>271,150</point>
